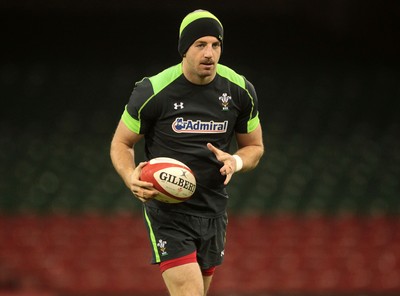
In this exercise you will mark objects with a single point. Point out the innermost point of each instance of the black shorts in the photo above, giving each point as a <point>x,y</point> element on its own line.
<point>173,235</point>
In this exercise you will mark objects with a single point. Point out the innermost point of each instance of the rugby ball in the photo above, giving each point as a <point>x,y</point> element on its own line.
<point>173,179</point>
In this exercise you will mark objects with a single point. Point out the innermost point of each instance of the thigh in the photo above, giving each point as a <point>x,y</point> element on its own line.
<point>184,280</point>
<point>170,234</point>
<point>212,248</point>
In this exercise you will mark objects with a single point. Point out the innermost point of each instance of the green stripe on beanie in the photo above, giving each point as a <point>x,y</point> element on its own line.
<point>197,24</point>
<point>196,15</point>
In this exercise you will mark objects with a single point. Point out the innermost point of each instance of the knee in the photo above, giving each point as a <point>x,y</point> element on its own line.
<point>184,280</point>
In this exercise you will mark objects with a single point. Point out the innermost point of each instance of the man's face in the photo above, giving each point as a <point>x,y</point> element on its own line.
<point>201,59</point>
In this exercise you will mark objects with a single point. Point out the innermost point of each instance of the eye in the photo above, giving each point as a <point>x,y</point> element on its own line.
<point>216,45</point>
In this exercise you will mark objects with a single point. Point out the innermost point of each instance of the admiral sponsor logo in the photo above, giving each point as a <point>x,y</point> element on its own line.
<point>197,126</point>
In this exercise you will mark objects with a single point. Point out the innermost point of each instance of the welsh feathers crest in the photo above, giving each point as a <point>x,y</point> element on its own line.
<point>224,99</point>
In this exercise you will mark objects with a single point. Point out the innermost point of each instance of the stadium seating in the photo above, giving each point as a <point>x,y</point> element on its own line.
<point>319,215</point>
<point>106,255</point>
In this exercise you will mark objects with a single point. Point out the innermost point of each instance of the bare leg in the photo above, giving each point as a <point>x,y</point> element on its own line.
<point>206,282</point>
<point>185,280</point>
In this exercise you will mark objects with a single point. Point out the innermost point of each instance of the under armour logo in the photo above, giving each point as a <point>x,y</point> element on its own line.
<point>180,105</point>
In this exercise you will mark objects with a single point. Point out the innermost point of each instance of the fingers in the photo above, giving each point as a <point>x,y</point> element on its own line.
<point>227,171</point>
<point>138,170</point>
<point>228,168</point>
<point>142,190</point>
<point>215,150</point>
<point>144,194</point>
<point>219,154</point>
<point>211,147</point>
<point>228,179</point>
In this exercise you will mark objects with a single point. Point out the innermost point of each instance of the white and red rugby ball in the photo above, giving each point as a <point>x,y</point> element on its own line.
<point>173,179</point>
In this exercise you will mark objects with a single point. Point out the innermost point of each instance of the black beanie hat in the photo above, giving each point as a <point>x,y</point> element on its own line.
<point>197,24</point>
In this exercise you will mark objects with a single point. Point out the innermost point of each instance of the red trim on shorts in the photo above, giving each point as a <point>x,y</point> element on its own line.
<point>178,261</point>
<point>208,271</point>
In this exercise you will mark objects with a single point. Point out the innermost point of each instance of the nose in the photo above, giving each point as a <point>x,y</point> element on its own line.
<point>208,50</point>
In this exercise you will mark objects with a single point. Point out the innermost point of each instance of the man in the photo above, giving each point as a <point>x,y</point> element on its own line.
<point>190,112</point>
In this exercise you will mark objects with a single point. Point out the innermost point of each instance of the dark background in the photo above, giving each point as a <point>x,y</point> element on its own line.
<point>318,216</point>
<point>292,37</point>
<point>326,73</point>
